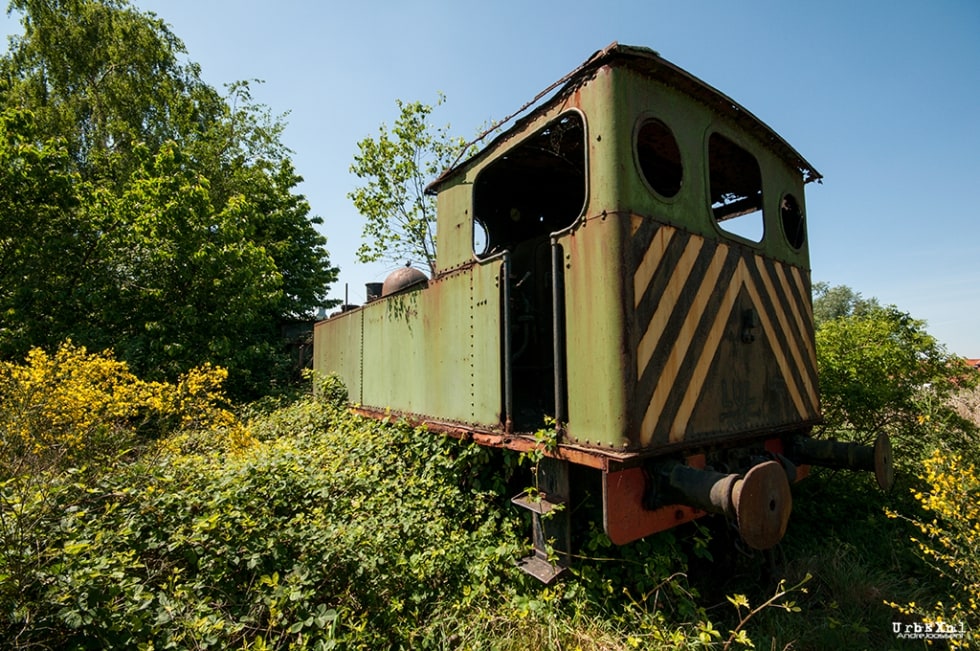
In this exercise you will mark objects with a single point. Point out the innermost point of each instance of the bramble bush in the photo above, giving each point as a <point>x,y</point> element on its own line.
<point>70,422</point>
<point>322,530</point>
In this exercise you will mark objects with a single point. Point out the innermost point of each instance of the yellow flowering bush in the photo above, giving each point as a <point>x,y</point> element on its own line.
<point>69,406</point>
<point>951,540</point>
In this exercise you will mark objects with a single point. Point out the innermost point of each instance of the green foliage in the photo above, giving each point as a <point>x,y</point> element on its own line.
<point>106,78</point>
<point>877,369</point>
<point>397,166</point>
<point>325,529</point>
<point>39,223</point>
<point>312,528</point>
<point>141,210</point>
<point>839,301</point>
<point>881,371</point>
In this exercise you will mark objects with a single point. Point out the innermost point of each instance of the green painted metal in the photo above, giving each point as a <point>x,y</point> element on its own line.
<point>675,334</point>
<point>337,349</point>
<point>432,352</point>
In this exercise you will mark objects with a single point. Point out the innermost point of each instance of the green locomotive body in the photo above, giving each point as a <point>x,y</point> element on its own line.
<point>643,278</point>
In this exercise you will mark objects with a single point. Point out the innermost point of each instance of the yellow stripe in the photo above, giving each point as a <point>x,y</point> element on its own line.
<point>707,355</point>
<point>809,314</point>
<point>665,304</point>
<point>778,353</point>
<point>651,260</point>
<point>804,371</point>
<point>703,363</point>
<point>635,222</point>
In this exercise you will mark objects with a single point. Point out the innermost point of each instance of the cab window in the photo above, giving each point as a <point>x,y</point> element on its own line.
<point>736,189</point>
<point>534,189</point>
<point>659,158</point>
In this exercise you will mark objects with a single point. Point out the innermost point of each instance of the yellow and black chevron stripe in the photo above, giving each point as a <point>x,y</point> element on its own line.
<point>695,376</point>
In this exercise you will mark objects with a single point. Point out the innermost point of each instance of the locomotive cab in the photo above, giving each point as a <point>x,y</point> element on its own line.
<point>629,259</point>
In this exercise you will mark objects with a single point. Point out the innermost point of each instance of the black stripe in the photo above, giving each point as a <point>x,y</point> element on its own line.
<point>801,337</point>
<point>778,337</point>
<point>655,286</point>
<point>640,240</point>
<point>689,364</point>
<point>652,373</point>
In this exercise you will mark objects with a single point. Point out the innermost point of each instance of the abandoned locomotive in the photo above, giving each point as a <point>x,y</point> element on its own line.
<point>641,278</point>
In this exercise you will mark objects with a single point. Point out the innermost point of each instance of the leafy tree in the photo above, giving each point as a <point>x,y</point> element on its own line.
<point>880,370</point>
<point>145,211</point>
<point>189,279</point>
<point>834,302</point>
<point>39,225</point>
<point>397,166</point>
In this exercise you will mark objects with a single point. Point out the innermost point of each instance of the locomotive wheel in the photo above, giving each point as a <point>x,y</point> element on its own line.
<point>763,502</point>
<point>884,472</point>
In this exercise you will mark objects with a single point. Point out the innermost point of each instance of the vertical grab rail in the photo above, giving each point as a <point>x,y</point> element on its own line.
<point>508,380</point>
<point>558,328</point>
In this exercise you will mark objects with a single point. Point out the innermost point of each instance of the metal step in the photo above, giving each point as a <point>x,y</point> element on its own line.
<point>552,530</point>
<point>540,568</point>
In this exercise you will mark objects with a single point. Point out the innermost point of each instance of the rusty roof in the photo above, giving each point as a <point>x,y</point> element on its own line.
<point>651,64</point>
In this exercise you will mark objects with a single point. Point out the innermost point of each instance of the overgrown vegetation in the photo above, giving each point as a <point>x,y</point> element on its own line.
<point>141,514</point>
<point>880,370</point>
<point>307,529</point>
<point>161,520</point>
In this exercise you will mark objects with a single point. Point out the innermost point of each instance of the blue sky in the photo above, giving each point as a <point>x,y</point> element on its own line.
<point>882,97</point>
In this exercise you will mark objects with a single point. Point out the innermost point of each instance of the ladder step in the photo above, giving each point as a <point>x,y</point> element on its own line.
<point>539,503</point>
<point>540,568</point>
<point>551,521</point>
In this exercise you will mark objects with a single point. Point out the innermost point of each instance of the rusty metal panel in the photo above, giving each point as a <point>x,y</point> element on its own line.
<point>337,349</point>
<point>455,226</point>
<point>722,339</point>
<point>594,335</point>
<point>485,372</point>
<point>395,348</point>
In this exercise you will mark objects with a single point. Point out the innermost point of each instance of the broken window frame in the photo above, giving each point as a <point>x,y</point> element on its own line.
<point>517,198</point>
<point>735,189</point>
<point>792,218</point>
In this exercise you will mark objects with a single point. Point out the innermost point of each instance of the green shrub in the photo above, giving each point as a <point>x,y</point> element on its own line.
<point>345,531</point>
<point>310,527</point>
